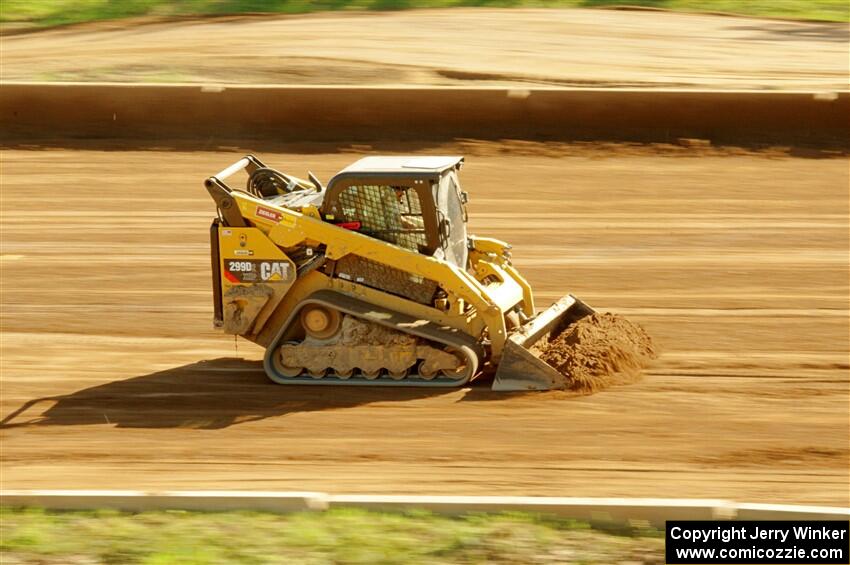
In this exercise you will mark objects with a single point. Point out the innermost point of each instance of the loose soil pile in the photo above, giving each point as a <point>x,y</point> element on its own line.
<point>598,351</point>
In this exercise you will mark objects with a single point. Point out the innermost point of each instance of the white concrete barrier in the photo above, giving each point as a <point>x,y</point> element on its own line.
<point>135,501</point>
<point>620,511</point>
<point>753,511</point>
<point>649,511</point>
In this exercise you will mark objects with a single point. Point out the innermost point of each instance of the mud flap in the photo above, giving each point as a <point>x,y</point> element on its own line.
<point>520,367</point>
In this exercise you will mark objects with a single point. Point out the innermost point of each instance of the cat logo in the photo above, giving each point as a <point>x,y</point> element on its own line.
<point>274,271</point>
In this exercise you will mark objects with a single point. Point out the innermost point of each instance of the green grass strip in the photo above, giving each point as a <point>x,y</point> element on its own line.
<point>337,536</point>
<point>55,12</point>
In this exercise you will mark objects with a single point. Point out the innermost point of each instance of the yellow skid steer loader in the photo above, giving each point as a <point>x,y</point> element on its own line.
<point>374,280</point>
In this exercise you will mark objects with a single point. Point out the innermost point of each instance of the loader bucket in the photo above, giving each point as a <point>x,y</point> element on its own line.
<point>520,367</point>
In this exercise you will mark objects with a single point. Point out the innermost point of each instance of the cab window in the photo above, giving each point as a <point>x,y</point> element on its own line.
<point>386,212</point>
<point>449,201</point>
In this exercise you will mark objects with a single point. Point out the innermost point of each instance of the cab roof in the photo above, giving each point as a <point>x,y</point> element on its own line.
<point>396,169</point>
<point>403,164</point>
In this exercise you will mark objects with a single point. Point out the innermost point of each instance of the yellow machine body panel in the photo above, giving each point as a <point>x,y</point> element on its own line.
<point>255,275</point>
<point>490,301</point>
<point>506,289</point>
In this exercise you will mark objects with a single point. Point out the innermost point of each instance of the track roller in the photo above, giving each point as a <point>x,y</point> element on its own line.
<point>425,373</point>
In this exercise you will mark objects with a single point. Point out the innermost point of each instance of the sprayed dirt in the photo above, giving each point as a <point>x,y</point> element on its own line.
<point>600,350</point>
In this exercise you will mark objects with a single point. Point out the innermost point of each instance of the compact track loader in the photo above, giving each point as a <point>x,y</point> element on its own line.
<point>374,280</point>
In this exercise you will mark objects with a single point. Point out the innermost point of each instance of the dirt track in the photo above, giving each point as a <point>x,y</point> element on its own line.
<point>579,48</point>
<point>738,266</point>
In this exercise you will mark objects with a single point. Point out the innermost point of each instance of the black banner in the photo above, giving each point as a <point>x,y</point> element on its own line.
<point>818,542</point>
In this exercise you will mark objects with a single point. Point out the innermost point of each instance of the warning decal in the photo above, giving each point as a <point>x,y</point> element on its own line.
<point>268,214</point>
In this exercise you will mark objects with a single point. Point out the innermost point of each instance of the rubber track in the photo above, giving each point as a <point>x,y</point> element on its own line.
<point>400,322</point>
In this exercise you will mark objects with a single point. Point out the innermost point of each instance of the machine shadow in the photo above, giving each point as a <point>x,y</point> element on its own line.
<point>212,394</point>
